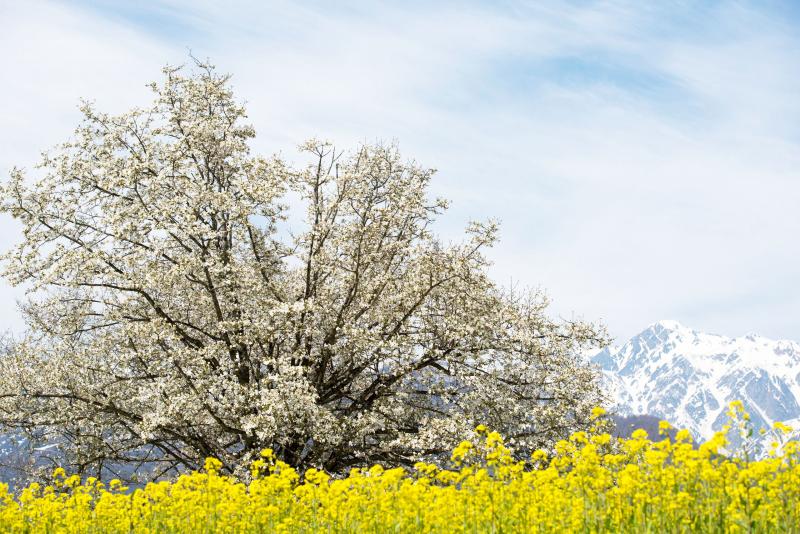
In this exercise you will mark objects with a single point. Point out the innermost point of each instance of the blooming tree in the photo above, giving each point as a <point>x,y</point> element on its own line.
<point>174,316</point>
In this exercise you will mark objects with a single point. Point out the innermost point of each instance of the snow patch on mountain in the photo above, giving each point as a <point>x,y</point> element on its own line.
<point>688,377</point>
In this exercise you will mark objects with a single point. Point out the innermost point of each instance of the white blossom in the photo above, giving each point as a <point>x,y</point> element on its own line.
<point>170,319</point>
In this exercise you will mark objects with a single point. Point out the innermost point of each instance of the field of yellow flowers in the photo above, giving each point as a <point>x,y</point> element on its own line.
<point>589,483</point>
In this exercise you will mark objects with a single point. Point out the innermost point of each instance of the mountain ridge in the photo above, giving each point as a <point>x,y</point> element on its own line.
<point>688,377</point>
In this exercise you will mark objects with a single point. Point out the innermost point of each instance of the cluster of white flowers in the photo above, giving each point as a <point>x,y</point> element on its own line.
<point>170,319</point>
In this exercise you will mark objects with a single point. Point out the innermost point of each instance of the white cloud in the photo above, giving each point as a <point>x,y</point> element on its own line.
<point>665,188</point>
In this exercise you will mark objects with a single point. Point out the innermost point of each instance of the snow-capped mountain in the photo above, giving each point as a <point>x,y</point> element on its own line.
<point>689,377</point>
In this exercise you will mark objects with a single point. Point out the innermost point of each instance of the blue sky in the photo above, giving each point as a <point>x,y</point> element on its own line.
<point>643,157</point>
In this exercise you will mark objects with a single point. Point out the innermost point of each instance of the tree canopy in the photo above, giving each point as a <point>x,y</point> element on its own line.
<point>174,316</point>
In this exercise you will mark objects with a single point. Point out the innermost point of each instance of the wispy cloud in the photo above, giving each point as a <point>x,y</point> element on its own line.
<point>643,157</point>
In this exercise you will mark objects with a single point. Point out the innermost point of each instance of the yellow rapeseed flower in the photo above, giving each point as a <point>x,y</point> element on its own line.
<point>590,482</point>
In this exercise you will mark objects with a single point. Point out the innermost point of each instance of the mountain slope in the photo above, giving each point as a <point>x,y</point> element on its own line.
<point>689,377</point>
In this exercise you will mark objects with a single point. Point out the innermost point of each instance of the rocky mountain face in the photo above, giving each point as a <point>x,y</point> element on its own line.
<point>688,377</point>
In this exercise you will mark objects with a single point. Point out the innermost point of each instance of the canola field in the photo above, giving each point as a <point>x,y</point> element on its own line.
<point>590,482</point>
